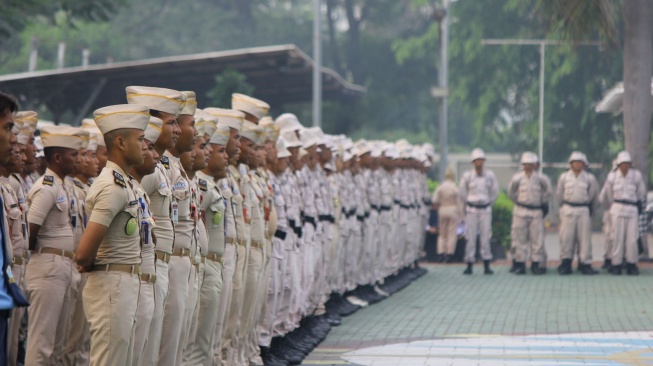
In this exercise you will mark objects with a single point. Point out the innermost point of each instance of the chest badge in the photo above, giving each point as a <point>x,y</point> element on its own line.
<point>131,226</point>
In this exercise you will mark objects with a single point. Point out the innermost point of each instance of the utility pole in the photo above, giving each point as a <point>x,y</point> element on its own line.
<point>441,16</point>
<point>541,43</point>
<point>317,63</point>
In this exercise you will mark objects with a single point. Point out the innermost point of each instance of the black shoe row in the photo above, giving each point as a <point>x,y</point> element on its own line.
<point>631,269</point>
<point>296,345</point>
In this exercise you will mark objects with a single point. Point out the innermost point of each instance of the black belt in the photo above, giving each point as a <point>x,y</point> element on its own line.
<point>310,220</point>
<point>367,214</point>
<point>427,202</point>
<point>360,218</point>
<point>477,205</point>
<point>280,234</point>
<point>386,208</point>
<point>576,204</point>
<point>328,218</point>
<point>376,208</point>
<point>530,207</point>
<point>629,203</point>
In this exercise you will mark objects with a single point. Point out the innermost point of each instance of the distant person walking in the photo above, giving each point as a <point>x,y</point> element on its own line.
<point>447,202</point>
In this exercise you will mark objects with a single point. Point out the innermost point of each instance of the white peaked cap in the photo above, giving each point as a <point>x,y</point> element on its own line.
<point>307,138</point>
<point>191,103</point>
<point>93,142</point>
<point>478,154</point>
<point>18,125</point>
<point>271,130</point>
<point>624,157</point>
<point>288,122</point>
<point>233,119</point>
<point>153,129</point>
<point>291,140</point>
<point>30,118</point>
<point>160,99</point>
<point>429,150</point>
<point>578,156</point>
<point>24,134</point>
<point>89,124</point>
<point>62,136</point>
<point>347,156</point>
<point>362,147</point>
<point>86,138</point>
<point>115,117</point>
<point>220,135</point>
<point>252,132</point>
<point>253,106</point>
<point>282,150</point>
<point>528,158</point>
<point>38,144</point>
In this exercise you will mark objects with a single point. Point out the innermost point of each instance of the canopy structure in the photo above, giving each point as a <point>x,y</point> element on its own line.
<point>280,74</point>
<point>613,100</point>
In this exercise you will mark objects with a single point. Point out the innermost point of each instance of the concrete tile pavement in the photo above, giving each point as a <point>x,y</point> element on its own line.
<point>446,318</point>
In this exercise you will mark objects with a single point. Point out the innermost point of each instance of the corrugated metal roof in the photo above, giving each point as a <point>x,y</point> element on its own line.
<point>613,100</point>
<point>280,74</point>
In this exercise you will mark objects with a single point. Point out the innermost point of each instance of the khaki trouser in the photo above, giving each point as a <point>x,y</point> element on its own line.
<point>478,223</point>
<point>252,349</point>
<point>192,309</point>
<point>228,269</point>
<point>527,236</point>
<point>13,333</point>
<point>110,303</point>
<point>308,270</point>
<point>271,302</point>
<point>576,228</point>
<point>447,237</point>
<point>144,315</point>
<point>78,341</point>
<point>230,339</point>
<point>608,233</point>
<point>254,275</point>
<point>289,309</point>
<point>151,352</point>
<point>625,234</point>
<point>172,340</point>
<point>355,249</point>
<point>47,279</point>
<point>209,302</point>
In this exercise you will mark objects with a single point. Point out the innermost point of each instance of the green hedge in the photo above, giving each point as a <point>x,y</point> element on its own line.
<point>502,220</point>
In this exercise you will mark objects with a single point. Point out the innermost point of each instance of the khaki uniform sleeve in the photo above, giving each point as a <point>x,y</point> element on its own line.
<point>106,201</point>
<point>149,183</point>
<point>41,201</point>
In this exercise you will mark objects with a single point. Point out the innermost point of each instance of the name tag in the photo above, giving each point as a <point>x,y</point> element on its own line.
<point>163,185</point>
<point>61,199</point>
<point>179,185</point>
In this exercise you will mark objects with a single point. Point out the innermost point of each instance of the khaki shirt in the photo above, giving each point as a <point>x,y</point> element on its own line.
<point>50,207</point>
<point>79,191</point>
<point>184,198</point>
<point>158,188</point>
<point>529,191</point>
<point>581,189</point>
<point>629,189</point>
<point>257,205</point>
<point>479,190</point>
<point>224,189</point>
<point>446,196</point>
<point>112,202</point>
<point>147,223</point>
<point>14,217</point>
<point>213,208</point>
<point>237,202</point>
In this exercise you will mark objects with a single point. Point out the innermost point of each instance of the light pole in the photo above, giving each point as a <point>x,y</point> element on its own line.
<point>441,16</point>
<point>542,43</point>
<point>317,63</point>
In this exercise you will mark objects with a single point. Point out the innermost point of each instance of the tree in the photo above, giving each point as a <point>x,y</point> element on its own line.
<point>577,19</point>
<point>226,83</point>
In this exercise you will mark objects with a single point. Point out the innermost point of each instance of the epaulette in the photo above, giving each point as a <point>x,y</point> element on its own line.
<point>48,180</point>
<point>119,179</point>
<point>78,183</point>
<point>165,162</point>
<point>204,186</point>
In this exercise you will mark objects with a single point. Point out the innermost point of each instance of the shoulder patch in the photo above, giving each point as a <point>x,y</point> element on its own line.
<point>119,179</point>
<point>203,185</point>
<point>78,183</point>
<point>48,180</point>
<point>165,162</point>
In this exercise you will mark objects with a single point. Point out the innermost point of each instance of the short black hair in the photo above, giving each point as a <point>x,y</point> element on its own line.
<point>8,103</point>
<point>155,113</point>
<point>50,151</point>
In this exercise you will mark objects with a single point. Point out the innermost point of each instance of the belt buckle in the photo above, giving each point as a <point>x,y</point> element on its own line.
<point>139,270</point>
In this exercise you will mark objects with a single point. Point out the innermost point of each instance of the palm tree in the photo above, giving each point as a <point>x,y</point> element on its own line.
<point>578,19</point>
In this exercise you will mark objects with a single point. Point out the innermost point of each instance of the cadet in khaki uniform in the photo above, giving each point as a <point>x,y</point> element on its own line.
<point>607,221</point>
<point>530,193</point>
<point>447,201</point>
<point>16,234</point>
<point>212,209</point>
<point>231,283</point>
<point>181,271</point>
<point>577,194</point>
<point>625,193</point>
<point>478,190</point>
<point>110,249</point>
<point>146,298</point>
<point>77,340</point>
<point>164,104</point>
<point>52,221</point>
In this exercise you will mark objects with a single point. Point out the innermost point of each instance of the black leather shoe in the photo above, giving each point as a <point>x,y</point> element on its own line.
<point>513,268</point>
<point>631,269</point>
<point>520,268</point>
<point>536,269</point>
<point>588,270</point>
<point>487,270</point>
<point>607,264</point>
<point>468,271</point>
<point>565,267</point>
<point>616,270</point>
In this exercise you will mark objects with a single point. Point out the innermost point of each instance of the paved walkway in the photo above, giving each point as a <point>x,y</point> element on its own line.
<point>446,318</point>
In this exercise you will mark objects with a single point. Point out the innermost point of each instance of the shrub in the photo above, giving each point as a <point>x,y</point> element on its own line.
<point>502,220</point>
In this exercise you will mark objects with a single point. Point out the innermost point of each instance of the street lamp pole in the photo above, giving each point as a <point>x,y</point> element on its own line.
<point>441,16</point>
<point>542,43</point>
<point>317,63</point>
